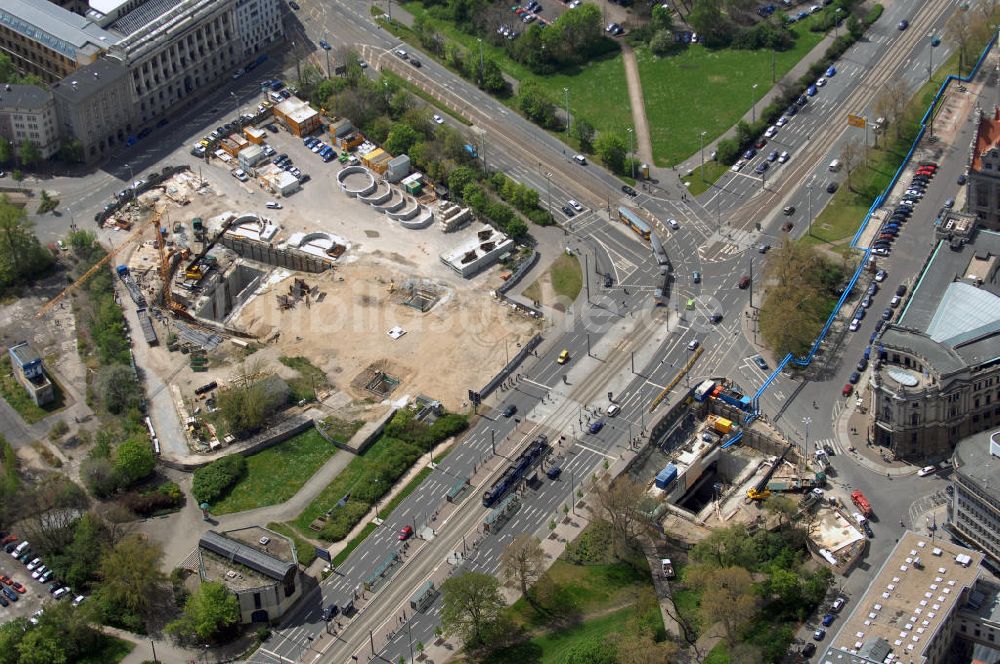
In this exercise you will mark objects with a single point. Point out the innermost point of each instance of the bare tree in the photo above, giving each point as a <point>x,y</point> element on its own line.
<point>850,154</point>
<point>892,102</point>
<point>522,563</point>
<point>619,504</point>
<point>959,29</point>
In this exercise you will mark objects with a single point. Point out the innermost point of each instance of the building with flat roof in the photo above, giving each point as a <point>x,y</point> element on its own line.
<point>940,379</point>
<point>983,198</point>
<point>27,366</point>
<point>94,106</point>
<point>49,41</point>
<point>910,612</point>
<point>974,511</point>
<point>257,565</point>
<point>28,113</point>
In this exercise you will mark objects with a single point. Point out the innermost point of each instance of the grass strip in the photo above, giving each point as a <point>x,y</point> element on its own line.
<point>305,550</point>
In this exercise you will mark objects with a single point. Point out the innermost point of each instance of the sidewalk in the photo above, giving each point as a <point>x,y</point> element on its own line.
<point>851,431</point>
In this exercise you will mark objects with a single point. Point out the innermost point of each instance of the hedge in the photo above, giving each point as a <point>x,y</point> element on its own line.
<point>216,479</point>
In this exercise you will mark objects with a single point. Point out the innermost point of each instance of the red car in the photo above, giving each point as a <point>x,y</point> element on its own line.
<point>19,588</point>
<point>8,539</point>
<point>405,534</point>
<point>6,579</point>
<point>848,388</point>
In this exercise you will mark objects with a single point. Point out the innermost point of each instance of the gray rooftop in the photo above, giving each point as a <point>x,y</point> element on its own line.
<point>85,81</point>
<point>951,323</point>
<point>975,461</point>
<point>142,16</point>
<point>23,96</point>
<point>943,359</point>
<point>243,554</point>
<point>25,353</point>
<point>55,27</point>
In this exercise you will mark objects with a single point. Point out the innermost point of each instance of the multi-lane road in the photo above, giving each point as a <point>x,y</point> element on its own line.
<point>554,399</point>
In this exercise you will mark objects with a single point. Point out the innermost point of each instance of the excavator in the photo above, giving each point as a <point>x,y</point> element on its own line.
<point>761,492</point>
<point>196,268</point>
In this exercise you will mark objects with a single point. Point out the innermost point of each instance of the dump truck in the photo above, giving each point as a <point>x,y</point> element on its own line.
<point>147,326</point>
<point>861,503</point>
<point>133,288</point>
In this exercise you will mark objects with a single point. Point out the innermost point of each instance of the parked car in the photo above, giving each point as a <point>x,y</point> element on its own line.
<point>828,619</point>
<point>509,410</point>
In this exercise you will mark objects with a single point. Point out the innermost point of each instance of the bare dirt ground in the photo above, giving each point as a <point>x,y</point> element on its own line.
<point>456,345</point>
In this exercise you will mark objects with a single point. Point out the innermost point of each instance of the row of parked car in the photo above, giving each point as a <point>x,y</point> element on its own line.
<point>325,151</point>
<point>890,229</point>
<point>10,590</point>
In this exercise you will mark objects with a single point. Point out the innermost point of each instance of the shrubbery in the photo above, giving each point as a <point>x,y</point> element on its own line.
<point>213,481</point>
<point>403,442</point>
<point>164,497</point>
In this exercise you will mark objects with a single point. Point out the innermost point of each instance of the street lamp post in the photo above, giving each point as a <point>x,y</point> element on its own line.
<point>930,57</point>
<point>807,421</point>
<point>702,136</point>
<point>630,151</point>
<point>753,106</point>
<point>809,189</point>
<point>131,182</point>
<point>568,121</point>
<point>548,189</point>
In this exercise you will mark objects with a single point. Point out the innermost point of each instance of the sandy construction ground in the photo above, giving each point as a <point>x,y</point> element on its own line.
<point>455,346</point>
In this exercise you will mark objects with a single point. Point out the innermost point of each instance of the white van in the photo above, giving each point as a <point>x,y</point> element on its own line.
<point>834,165</point>
<point>19,549</point>
<point>273,205</point>
<point>613,410</point>
<point>276,98</point>
<point>580,159</point>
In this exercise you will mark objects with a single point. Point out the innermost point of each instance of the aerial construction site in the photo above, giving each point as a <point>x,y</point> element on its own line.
<point>372,303</point>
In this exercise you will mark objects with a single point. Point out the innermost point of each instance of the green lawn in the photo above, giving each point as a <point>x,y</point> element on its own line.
<point>360,467</point>
<point>592,589</point>
<point>708,90</point>
<point>590,87</point>
<point>566,276</point>
<point>276,474</point>
<point>697,184</point>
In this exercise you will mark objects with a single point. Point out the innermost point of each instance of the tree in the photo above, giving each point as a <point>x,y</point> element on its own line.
<point>661,18</point>
<point>708,19</point>
<point>210,613</point>
<point>471,607</point>
<point>782,507</point>
<point>619,505</point>
<point>536,106</point>
<point>130,576</point>
<point>522,562</point>
<point>134,459</point>
<point>98,474</point>
<point>41,646</point>
<point>28,153</point>
<point>252,396</point>
<point>401,138</point>
<point>460,177</point>
<point>610,149</point>
<point>78,562</point>
<point>213,481</point>
<point>584,132</point>
<point>492,78</point>
<point>6,152</point>
<point>11,634</point>
<point>959,30</point>
<point>891,103</point>
<point>21,255</point>
<point>786,585</point>
<point>850,154</point>
<point>727,597</point>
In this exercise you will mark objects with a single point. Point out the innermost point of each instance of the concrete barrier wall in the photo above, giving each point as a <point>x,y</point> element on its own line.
<point>507,370</point>
<point>265,253</point>
<point>278,433</point>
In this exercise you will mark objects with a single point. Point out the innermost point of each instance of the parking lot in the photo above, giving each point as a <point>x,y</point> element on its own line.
<point>16,576</point>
